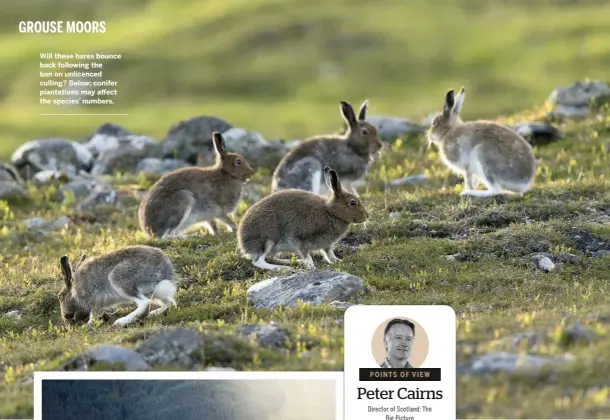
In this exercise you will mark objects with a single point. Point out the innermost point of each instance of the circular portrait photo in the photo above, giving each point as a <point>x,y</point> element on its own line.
<point>400,343</point>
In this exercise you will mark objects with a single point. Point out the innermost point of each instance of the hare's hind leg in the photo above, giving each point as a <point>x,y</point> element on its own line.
<point>141,311</point>
<point>181,205</point>
<point>260,260</point>
<point>230,224</point>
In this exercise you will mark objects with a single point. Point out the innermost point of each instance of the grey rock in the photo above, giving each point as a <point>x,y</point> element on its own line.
<point>51,154</point>
<point>537,133</point>
<point>111,136</point>
<point>78,188</point>
<point>411,179</point>
<point>395,215</point>
<point>509,362</point>
<point>568,258</point>
<point>46,226</point>
<point>576,99</point>
<point>158,166</point>
<point>13,314</point>
<point>186,139</point>
<point>173,346</point>
<point>257,151</point>
<point>459,257</point>
<point>124,159</point>
<point>391,128</point>
<point>11,190</point>
<point>48,175</point>
<point>340,305</point>
<point>219,369</point>
<point>543,262</point>
<point>600,253</point>
<point>265,335</point>
<point>129,359</point>
<point>8,173</point>
<point>315,287</point>
<point>576,333</point>
<point>101,194</point>
<point>34,222</point>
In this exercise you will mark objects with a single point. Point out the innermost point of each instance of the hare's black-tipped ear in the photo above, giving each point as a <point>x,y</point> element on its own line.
<point>219,143</point>
<point>347,112</point>
<point>335,183</point>
<point>66,269</point>
<point>449,101</point>
<point>459,101</point>
<point>362,111</point>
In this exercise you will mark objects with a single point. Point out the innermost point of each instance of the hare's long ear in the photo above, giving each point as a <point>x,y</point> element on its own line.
<point>449,101</point>
<point>66,269</point>
<point>335,183</point>
<point>459,101</point>
<point>327,170</point>
<point>219,143</point>
<point>80,262</point>
<point>362,111</point>
<point>347,112</point>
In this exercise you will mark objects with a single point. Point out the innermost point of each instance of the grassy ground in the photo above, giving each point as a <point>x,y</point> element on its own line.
<point>280,67</point>
<point>496,290</point>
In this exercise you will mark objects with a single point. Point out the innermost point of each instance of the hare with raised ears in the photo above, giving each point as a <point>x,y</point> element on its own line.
<point>193,196</point>
<point>482,151</point>
<point>299,221</point>
<point>139,274</point>
<point>349,155</point>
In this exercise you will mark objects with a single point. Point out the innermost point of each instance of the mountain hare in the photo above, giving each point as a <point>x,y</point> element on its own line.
<point>482,151</point>
<point>187,197</point>
<point>298,221</point>
<point>349,155</point>
<point>139,274</point>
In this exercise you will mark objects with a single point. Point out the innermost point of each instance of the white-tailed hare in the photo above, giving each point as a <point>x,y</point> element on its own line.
<point>349,155</point>
<point>299,221</point>
<point>139,274</point>
<point>188,197</point>
<point>482,151</point>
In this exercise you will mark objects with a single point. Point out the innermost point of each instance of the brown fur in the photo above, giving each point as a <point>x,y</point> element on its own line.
<point>349,154</point>
<point>492,153</point>
<point>204,194</point>
<point>299,221</point>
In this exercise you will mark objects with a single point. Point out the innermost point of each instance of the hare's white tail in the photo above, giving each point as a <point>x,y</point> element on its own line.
<point>165,290</point>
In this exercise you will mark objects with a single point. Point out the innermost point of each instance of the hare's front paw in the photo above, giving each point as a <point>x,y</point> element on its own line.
<point>121,322</point>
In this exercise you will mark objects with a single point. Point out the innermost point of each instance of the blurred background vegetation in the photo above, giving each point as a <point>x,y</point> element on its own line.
<point>281,66</point>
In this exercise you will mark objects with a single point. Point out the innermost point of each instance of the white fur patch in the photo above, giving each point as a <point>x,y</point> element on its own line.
<point>165,289</point>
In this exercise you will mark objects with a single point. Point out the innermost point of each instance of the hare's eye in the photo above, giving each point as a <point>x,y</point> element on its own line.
<point>238,162</point>
<point>353,203</point>
<point>364,131</point>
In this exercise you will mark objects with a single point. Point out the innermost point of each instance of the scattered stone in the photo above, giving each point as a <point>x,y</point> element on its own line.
<point>588,243</point>
<point>11,191</point>
<point>51,154</point>
<point>111,136</point>
<point>480,308</point>
<point>111,354</point>
<point>44,226</point>
<point>78,188</point>
<point>34,222</point>
<point>531,339</point>
<point>252,145</point>
<point>509,362</point>
<point>391,128</point>
<point>124,159</point>
<point>577,99</point>
<point>459,257</point>
<point>537,133</point>
<point>575,334</point>
<point>568,258</point>
<point>174,346</point>
<point>340,305</point>
<point>157,166</point>
<point>603,219</point>
<point>543,262</point>
<point>13,314</point>
<point>48,175</point>
<point>411,179</point>
<point>265,335</point>
<point>395,215</point>
<point>315,287</point>
<point>101,194</point>
<point>187,138</point>
<point>8,173</point>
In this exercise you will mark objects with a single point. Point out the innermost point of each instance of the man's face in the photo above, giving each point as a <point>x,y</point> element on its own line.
<point>399,341</point>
